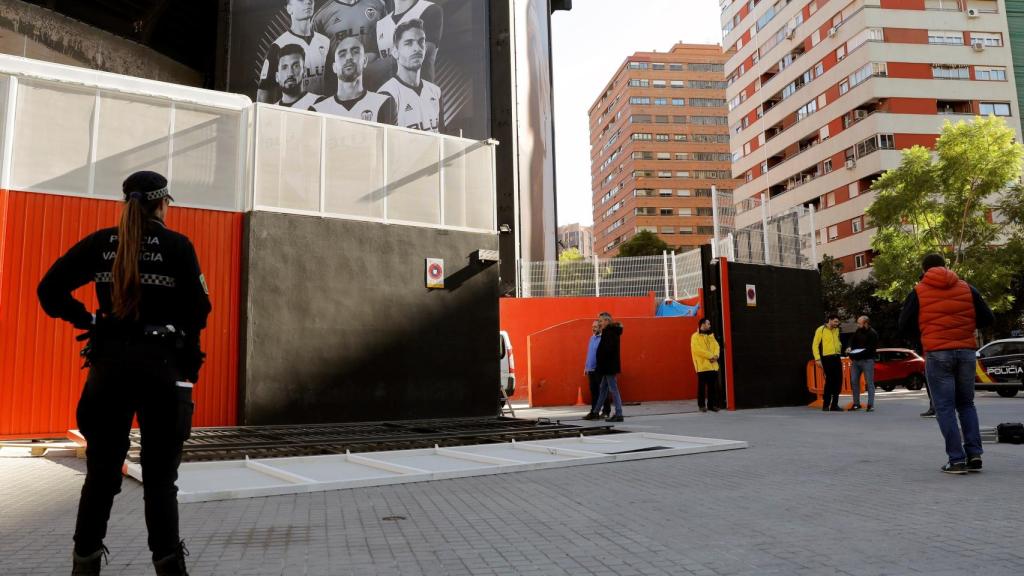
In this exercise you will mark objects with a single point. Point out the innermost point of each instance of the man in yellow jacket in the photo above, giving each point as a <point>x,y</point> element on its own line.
<point>704,349</point>
<point>826,349</point>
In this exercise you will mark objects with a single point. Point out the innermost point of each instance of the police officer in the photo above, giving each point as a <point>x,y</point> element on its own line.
<point>144,357</point>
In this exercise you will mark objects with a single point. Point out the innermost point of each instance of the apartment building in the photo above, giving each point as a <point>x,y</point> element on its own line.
<point>659,142</point>
<point>576,236</point>
<point>823,94</point>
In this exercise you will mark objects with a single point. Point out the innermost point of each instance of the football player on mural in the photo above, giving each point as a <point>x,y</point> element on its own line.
<point>351,99</point>
<point>300,33</point>
<point>418,101</point>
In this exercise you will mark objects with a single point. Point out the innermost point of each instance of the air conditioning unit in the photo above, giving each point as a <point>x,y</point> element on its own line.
<point>832,32</point>
<point>973,13</point>
<point>851,164</point>
<point>978,46</point>
<point>860,114</point>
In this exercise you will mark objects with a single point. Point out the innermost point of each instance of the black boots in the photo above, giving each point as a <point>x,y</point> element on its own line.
<point>173,564</point>
<point>87,565</point>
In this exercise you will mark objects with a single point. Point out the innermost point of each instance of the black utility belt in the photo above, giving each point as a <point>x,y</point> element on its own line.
<point>153,330</point>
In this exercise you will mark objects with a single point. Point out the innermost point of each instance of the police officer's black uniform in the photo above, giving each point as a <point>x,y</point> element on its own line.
<point>141,367</point>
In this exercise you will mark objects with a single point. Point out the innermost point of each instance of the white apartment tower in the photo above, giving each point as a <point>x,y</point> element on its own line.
<point>823,94</point>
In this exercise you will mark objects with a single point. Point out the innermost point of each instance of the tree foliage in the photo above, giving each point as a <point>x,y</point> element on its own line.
<point>644,243</point>
<point>570,255</point>
<point>833,288</point>
<point>944,202</point>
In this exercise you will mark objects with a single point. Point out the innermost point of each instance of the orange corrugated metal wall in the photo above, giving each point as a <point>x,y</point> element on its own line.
<point>40,375</point>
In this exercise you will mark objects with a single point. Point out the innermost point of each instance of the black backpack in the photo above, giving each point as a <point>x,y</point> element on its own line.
<point>1010,433</point>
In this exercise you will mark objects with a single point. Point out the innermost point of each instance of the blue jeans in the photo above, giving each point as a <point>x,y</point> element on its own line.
<point>609,385</point>
<point>951,380</point>
<point>867,368</point>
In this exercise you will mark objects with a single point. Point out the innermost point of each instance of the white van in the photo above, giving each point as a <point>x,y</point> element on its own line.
<point>507,371</point>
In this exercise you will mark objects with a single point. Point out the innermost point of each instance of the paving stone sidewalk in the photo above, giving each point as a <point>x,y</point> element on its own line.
<point>815,494</point>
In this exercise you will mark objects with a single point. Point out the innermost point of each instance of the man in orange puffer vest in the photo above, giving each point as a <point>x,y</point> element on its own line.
<point>945,311</point>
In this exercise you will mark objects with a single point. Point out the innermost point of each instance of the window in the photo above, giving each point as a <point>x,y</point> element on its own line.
<point>662,138</point>
<point>677,84</point>
<point>844,87</point>
<point>706,67</point>
<point>679,101</point>
<point>665,192</point>
<point>709,120</point>
<point>854,189</point>
<point>668,229</point>
<point>841,53</point>
<point>665,212</point>
<point>661,101</point>
<point>686,229</point>
<point>664,174</point>
<point>707,84</point>
<point>657,66</point>
<point>664,155</point>
<point>942,5</point>
<point>827,166</point>
<point>640,155</point>
<point>859,261</point>
<point>830,199</point>
<point>996,108</point>
<point>947,37</point>
<point>643,193</point>
<point>705,211</point>
<point>658,83</point>
<point>819,69</point>
<point>638,65</point>
<point>986,38</point>
<point>683,174</point>
<point>640,100</point>
<point>886,142</point>
<point>679,137</point>
<point>806,110</point>
<point>857,224</point>
<point>950,71</point>
<point>833,232</point>
<point>675,67</point>
<point>640,119</point>
<point>990,73</point>
<point>639,83</point>
<point>642,136</point>
<point>682,155</point>
<point>686,211</point>
<point>661,119</point>
<point>707,102</point>
<point>679,119</point>
<point>683,192</point>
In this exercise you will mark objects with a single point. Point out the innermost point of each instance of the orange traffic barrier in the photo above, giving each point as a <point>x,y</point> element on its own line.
<point>816,381</point>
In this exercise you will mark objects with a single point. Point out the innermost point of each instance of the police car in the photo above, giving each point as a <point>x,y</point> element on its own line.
<point>1000,367</point>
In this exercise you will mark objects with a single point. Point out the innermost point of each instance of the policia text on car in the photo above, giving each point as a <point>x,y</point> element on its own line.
<point>143,356</point>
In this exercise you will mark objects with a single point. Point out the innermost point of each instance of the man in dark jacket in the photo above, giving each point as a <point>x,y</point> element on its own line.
<point>946,311</point>
<point>609,365</point>
<point>862,350</point>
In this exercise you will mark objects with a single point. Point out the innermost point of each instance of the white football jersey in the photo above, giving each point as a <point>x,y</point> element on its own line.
<point>303,103</point>
<point>419,109</point>
<point>386,26</point>
<point>372,107</point>
<point>315,46</point>
<point>349,17</point>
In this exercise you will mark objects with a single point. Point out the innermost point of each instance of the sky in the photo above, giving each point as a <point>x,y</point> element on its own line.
<point>584,61</point>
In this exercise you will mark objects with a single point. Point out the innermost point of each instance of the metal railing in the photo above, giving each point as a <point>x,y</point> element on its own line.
<point>789,241</point>
<point>671,275</point>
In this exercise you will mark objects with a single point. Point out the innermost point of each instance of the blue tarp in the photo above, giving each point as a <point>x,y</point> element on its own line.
<point>672,308</point>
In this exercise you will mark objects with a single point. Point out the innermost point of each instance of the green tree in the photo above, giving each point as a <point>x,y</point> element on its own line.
<point>944,203</point>
<point>575,275</point>
<point>643,244</point>
<point>834,290</point>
